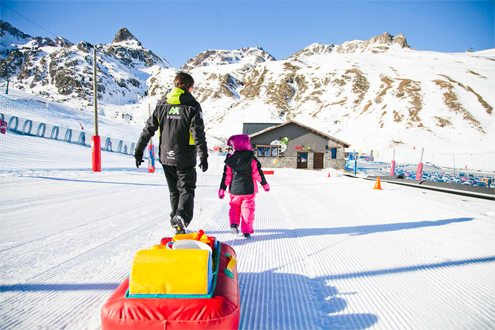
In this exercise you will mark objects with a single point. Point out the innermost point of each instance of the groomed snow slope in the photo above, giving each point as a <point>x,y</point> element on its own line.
<point>327,253</point>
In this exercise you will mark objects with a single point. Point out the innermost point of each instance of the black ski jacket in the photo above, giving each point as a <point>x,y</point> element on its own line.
<point>243,165</point>
<point>179,121</point>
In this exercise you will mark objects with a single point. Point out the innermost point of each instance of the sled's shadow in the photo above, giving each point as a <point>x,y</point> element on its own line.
<point>272,300</point>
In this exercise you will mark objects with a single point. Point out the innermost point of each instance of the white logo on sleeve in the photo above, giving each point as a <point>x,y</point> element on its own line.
<point>171,154</point>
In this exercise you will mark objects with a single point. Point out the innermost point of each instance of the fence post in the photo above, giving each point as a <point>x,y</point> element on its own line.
<point>12,119</point>
<point>26,129</point>
<point>54,134</point>
<point>68,135</point>
<point>108,144</point>
<point>41,130</point>
<point>82,139</point>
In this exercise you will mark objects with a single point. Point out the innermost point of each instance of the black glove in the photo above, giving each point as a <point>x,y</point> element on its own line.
<point>204,164</point>
<point>138,154</point>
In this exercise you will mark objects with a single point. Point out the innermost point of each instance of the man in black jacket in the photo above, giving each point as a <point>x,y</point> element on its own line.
<point>179,119</point>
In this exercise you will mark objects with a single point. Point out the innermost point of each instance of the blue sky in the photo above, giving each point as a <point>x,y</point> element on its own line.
<point>179,30</point>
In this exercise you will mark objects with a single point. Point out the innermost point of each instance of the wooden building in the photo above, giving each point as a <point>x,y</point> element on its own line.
<point>293,145</point>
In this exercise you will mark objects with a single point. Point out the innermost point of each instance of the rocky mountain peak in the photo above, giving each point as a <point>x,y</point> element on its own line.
<point>124,35</point>
<point>385,38</point>
<point>388,39</point>
<point>378,44</point>
<point>313,49</point>
<point>62,42</point>
<point>6,28</point>
<point>247,55</point>
<point>400,40</point>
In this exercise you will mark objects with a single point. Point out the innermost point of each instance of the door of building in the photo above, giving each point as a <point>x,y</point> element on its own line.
<point>318,161</point>
<point>302,160</point>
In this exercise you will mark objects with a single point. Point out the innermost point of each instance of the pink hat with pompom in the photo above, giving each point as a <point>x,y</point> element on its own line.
<point>239,142</point>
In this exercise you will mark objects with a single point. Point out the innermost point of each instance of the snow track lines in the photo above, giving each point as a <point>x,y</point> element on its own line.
<point>325,254</point>
<point>71,271</point>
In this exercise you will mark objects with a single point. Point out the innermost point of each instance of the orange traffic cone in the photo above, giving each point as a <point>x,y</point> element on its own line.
<point>378,184</point>
<point>328,174</point>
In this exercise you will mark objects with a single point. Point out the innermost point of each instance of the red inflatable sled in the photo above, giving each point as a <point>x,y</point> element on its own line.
<point>187,289</point>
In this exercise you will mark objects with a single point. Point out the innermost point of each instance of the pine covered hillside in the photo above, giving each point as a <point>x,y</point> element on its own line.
<point>374,94</point>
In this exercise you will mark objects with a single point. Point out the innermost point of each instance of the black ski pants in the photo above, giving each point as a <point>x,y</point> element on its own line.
<point>181,184</point>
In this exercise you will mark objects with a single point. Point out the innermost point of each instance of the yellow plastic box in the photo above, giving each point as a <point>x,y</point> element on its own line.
<point>163,271</point>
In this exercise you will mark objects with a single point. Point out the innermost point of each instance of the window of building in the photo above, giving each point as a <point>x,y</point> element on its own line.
<point>334,153</point>
<point>267,151</point>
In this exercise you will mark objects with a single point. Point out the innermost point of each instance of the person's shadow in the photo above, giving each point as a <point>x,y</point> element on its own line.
<point>272,300</point>
<point>275,234</point>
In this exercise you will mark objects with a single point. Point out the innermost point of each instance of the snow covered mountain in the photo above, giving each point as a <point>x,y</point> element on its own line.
<point>62,71</point>
<point>377,44</point>
<point>374,94</point>
<point>251,55</point>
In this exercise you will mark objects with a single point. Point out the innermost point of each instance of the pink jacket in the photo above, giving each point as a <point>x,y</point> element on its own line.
<point>255,173</point>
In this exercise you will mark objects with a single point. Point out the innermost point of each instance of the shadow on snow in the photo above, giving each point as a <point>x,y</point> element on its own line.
<point>268,234</point>
<point>272,300</point>
<point>59,287</point>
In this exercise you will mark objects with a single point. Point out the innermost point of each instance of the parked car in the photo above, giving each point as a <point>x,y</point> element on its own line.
<point>480,184</point>
<point>486,181</point>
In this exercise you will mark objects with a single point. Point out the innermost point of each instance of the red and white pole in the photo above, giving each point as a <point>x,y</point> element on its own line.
<point>419,172</point>
<point>95,140</point>
<point>392,169</point>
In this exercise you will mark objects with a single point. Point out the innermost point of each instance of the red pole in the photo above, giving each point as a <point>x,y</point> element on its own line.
<point>96,152</point>
<point>392,168</point>
<point>95,139</point>
<point>419,172</point>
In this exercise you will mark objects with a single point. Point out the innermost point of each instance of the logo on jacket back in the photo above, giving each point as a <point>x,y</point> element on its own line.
<point>174,113</point>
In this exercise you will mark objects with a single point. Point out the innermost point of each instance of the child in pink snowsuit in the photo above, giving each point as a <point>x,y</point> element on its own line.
<point>241,173</point>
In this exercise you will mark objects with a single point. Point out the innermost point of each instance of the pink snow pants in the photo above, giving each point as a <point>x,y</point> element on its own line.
<point>242,211</point>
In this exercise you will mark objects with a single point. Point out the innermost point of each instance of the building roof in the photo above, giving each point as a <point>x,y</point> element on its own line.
<point>328,137</point>
<point>251,128</point>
